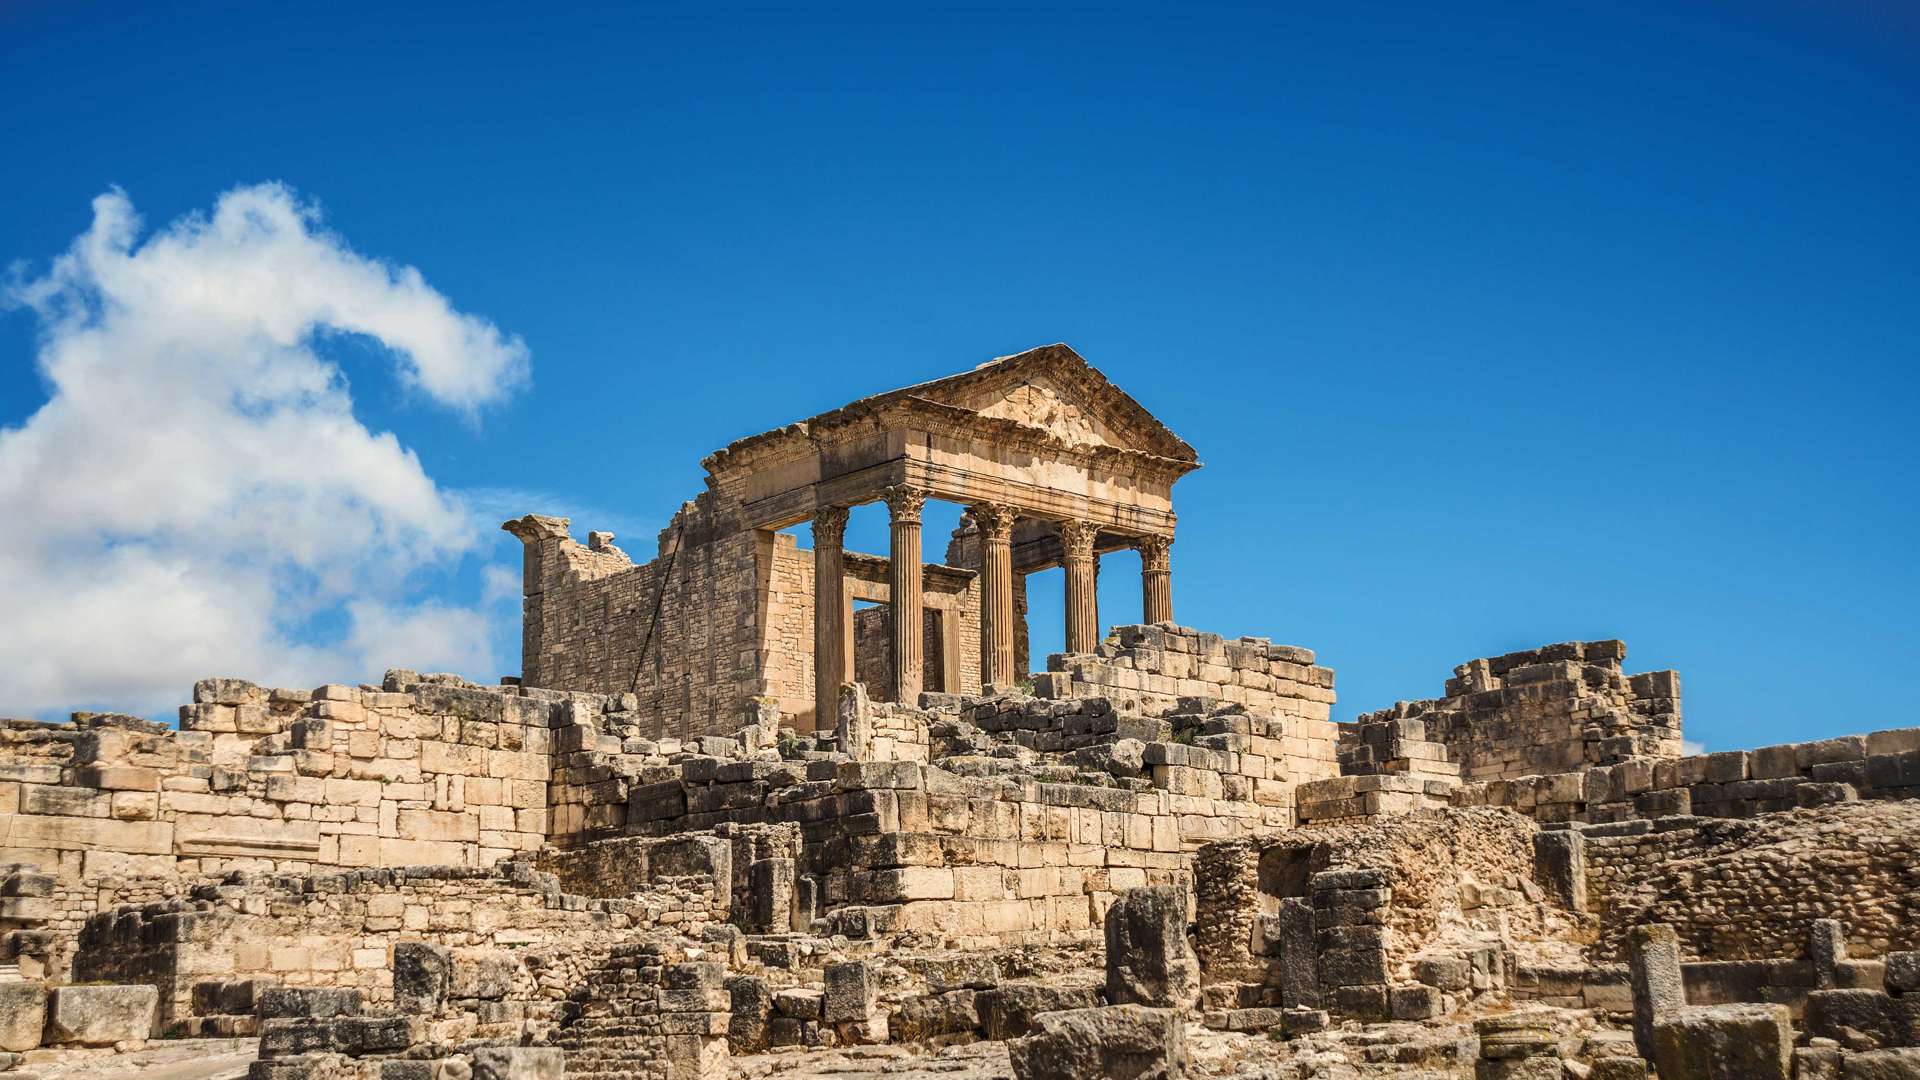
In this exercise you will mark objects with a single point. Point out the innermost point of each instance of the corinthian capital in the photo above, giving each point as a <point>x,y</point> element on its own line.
<point>1077,537</point>
<point>994,519</point>
<point>905,502</point>
<point>1155,555</point>
<point>830,526</point>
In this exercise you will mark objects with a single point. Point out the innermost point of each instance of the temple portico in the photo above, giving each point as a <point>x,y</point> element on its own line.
<point>1051,463</point>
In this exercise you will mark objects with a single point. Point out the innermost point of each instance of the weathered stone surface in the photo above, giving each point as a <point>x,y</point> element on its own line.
<point>1856,1019</point>
<point>1724,1042</point>
<point>1119,1042</point>
<point>1897,1064</point>
<point>1008,1011</point>
<point>518,1063</point>
<point>1655,974</point>
<point>315,1001</point>
<point>1299,964</point>
<point>924,1018</point>
<point>1903,972</point>
<point>101,1015</point>
<point>23,1015</point>
<point>422,976</point>
<point>849,993</point>
<point>1149,961</point>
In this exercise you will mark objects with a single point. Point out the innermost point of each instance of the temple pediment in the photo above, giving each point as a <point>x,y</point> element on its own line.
<point>1043,407</point>
<point>1052,390</point>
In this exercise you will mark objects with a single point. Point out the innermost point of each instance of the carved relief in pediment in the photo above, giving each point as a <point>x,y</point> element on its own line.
<point>1036,406</point>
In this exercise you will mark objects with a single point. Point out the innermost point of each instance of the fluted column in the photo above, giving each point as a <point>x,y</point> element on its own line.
<point>829,612</point>
<point>903,508</point>
<point>1156,578</point>
<point>995,521</point>
<point>1083,611</point>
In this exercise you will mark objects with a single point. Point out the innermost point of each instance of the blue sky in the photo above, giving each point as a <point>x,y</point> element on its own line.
<point>1494,325</point>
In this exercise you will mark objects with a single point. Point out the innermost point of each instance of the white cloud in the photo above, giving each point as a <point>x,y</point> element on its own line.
<point>196,496</point>
<point>1692,748</point>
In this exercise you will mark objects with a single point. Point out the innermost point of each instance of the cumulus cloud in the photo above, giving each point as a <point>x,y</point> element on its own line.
<point>196,495</point>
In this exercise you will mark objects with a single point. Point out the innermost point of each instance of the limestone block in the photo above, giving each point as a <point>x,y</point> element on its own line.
<point>1856,1019</point>
<point>1120,1042</point>
<point>926,1017</point>
<point>1655,973</point>
<point>1414,1002</point>
<point>306,1002</point>
<point>488,975</point>
<point>1148,958</point>
<point>519,1063</point>
<point>1900,1064</point>
<point>1724,1042</point>
<point>849,993</point>
<point>1009,1011</point>
<point>23,1015</point>
<point>101,1015</point>
<point>1903,972</point>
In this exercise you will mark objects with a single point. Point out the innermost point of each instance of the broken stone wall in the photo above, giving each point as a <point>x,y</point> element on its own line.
<point>1441,886</point>
<point>1730,783</point>
<point>121,811</point>
<point>338,930</point>
<point>1154,667</point>
<point>1747,889</point>
<point>1553,709</point>
<point>589,613</point>
<point>722,616</point>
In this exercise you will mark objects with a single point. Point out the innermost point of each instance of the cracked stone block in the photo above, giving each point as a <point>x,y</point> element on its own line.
<point>23,1015</point>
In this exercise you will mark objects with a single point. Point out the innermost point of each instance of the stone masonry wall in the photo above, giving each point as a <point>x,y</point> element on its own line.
<point>1554,709</point>
<point>1154,667</point>
<point>721,618</point>
<point>589,612</point>
<point>1730,783</point>
<point>339,930</point>
<point>1752,888</point>
<point>122,811</point>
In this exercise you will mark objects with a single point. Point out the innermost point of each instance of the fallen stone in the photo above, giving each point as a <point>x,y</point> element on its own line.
<point>23,1015</point>
<point>1724,1042</point>
<point>1008,1012</point>
<point>1119,1042</point>
<point>101,1015</point>
<point>1856,1019</point>
<point>922,1019</point>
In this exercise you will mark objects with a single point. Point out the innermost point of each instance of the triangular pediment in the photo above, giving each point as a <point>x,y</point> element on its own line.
<point>1049,390</point>
<point>1052,390</point>
<point>1042,406</point>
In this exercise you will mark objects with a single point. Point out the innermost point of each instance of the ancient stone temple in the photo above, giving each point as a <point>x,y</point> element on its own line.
<point>1054,464</point>
<point>725,825</point>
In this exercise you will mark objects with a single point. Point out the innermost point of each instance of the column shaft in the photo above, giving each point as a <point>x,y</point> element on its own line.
<point>830,666</point>
<point>1083,612</point>
<point>904,505</point>
<point>995,521</point>
<point>1156,579</point>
